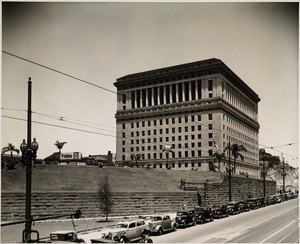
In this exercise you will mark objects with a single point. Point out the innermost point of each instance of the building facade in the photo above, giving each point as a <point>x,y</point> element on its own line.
<point>195,109</point>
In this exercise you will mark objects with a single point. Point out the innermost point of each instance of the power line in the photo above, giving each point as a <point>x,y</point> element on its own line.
<point>60,72</point>
<point>64,127</point>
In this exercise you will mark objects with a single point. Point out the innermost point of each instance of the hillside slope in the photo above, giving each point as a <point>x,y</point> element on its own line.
<point>86,178</point>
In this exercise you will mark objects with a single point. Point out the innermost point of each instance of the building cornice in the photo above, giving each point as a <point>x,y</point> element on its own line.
<point>185,71</point>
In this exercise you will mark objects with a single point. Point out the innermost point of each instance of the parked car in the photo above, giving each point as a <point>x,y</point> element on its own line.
<point>263,202</point>
<point>125,231</point>
<point>244,206</point>
<point>233,208</point>
<point>204,213</point>
<point>276,199</point>
<point>159,224</point>
<point>186,218</point>
<point>220,212</point>
<point>65,236</point>
<point>254,203</point>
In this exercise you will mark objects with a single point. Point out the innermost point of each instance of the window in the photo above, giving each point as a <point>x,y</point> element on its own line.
<point>210,135</point>
<point>143,141</point>
<point>167,130</point>
<point>192,118</point>
<point>154,122</point>
<point>186,145</point>
<point>154,132</point>
<point>199,117</point>
<point>123,149</point>
<point>123,157</point>
<point>199,127</point>
<point>149,132</point>
<point>149,140</point>
<point>186,128</point>
<point>210,116</point>
<point>199,144</point>
<point>161,122</point>
<point>173,130</point>
<point>193,128</point>
<point>210,85</point>
<point>137,133</point>
<point>143,123</point>
<point>143,133</point>
<point>149,123</point>
<point>123,126</point>
<point>179,138</point>
<point>123,135</point>
<point>123,143</point>
<point>210,126</point>
<point>173,120</point>
<point>186,165</point>
<point>137,125</point>
<point>199,153</point>
<point>132,125</point>
<point>167,121</point>
<point>124,107</point>
<point>186,137</point>
<point>160,131</point>
<point>186,154</point>
<point>179,129</point>
<point>186,119</point>
<point>210,152</point>
<point>210,143</point>
<point>199,136</point>
<point>179,120</point>
<point>124,98</point>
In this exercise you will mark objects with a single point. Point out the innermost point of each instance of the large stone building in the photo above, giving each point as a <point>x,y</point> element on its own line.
<point>195,108</point>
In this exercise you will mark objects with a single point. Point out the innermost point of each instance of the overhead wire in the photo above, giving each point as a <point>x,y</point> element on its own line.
<point>92,84</point>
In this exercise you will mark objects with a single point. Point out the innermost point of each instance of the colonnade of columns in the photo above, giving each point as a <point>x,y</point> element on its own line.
<point>171,93</point>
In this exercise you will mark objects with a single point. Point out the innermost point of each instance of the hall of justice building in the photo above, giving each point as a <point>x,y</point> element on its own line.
<point>195,108</point>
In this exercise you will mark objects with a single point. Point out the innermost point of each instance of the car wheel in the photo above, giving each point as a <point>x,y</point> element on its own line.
<point>174,228</point>
<point>122,240</point>
<point>160,231</point>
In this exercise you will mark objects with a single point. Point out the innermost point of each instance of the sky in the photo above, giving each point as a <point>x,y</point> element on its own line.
<point>99,42</point>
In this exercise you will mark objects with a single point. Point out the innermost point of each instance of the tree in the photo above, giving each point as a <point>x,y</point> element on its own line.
<point>167,149</point>
<point>59,145</point>
<point>136,158</point>
<point>105,196</point>
<point>218,156</point>
<point>236,150</point>
<point>10,148</point>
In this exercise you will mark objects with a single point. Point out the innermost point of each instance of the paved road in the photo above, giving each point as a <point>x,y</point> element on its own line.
<point>273,224</point>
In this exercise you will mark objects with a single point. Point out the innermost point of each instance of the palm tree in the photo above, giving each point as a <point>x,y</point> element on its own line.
<point>10,148</point>
<point>59,145</point>
<point>218,156</point>
<point>235,150</point>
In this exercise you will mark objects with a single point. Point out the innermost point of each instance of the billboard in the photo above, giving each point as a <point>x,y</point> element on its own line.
<point>70,156</point>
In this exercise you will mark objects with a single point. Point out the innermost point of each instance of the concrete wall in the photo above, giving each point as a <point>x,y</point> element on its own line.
<point>126,204</point>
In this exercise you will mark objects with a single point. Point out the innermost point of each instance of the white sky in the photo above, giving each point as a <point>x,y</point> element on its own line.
<point>100,42</point>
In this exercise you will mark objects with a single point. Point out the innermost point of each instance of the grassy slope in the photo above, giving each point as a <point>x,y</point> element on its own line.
<point>86,178</point>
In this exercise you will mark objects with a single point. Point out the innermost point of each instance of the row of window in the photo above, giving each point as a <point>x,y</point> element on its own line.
<point>167,121</point>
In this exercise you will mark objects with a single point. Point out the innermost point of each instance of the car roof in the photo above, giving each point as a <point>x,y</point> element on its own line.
<point>63,232</point>
<point>128,221</point>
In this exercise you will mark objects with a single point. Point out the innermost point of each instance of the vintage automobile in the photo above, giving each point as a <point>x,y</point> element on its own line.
<point>244,206</point>
<point>254,203</point>
<point>159,224</point>
<point>233,207</point>
<point>220,212</point>
<point>263,202</point>
<point>276,199</point>
<point>186,218</point>
<point>65,236</point>
<point>125,231</point>
<point>204,214</point>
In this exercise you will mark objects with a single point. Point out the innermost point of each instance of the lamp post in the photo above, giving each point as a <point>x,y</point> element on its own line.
<point>28,156</point>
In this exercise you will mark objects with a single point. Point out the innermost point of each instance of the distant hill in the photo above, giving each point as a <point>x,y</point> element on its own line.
<point>86,178</point>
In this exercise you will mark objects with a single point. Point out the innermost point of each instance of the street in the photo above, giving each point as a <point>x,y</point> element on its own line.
<point>272,224</point>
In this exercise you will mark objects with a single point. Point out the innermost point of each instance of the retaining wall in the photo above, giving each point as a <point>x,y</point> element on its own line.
<point>127,204</point>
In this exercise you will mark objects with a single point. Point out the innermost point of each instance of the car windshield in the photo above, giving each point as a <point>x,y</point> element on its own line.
<point>156,218</point>
<point>122,225</point>
<point>181,213</point>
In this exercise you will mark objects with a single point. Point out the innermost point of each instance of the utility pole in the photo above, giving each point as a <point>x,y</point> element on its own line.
<point>229,173</point>
<point>283,174</point>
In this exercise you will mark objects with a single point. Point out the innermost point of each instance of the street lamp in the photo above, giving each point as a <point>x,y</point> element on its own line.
<point>28,156</point>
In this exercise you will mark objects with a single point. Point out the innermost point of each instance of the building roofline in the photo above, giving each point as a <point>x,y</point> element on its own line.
<point>203,67</point>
